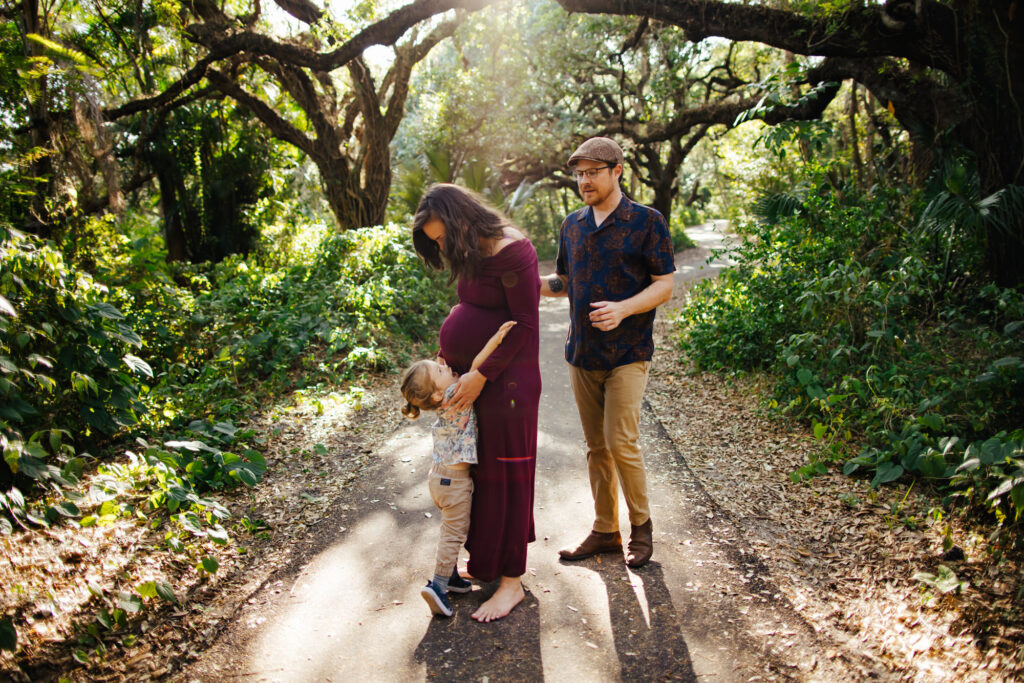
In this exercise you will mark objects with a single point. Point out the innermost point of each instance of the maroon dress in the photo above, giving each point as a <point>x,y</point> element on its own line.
<point>501,521</point>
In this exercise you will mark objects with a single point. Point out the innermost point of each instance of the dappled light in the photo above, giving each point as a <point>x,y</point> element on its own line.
<point>210,286</point>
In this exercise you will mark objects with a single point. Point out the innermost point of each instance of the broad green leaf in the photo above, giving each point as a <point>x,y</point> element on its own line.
<point>68,509</point>
<point>819,430</point>
<point>968,465</point>
<point>32,467</point>
<point>886,472</point>
<point>804,376</point>
<point>128,601</point>
<point>225,428</point>
<point>164,590</point>
<point>933,464</point>
<point>107,311</point>
<point>138,365</point>
<point>210,564</point>
<point>190,445</point>
<point>944,580</point>
<point>8,635</point>
<point>7,308</point>
<point>147,589</point>
<point>1004,486</point>
<point>218,535</point>
<point>991,451</point>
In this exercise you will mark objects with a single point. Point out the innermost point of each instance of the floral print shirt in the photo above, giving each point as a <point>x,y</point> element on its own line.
<point>611,262</point>
<point>454,434</point>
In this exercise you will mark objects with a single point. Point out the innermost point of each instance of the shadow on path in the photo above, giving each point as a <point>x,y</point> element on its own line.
<point>645,625</point>
<point>348,607</point>
<point>461,649</point>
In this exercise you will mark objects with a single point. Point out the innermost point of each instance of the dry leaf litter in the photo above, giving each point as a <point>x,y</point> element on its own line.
<point>844,556</point>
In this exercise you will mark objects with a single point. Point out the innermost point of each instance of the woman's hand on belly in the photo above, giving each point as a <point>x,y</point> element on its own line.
<point>467,389</point>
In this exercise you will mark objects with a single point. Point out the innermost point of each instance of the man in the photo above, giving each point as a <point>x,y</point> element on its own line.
<point>615,264</point>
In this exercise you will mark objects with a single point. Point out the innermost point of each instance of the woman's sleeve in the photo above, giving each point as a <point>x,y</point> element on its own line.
<point>522,296</point>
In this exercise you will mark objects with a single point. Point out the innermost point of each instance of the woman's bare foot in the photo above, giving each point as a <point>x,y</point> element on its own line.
<point>509,594</point>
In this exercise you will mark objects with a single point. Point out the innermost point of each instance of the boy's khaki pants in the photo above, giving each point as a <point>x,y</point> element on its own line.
<point>452,493</point>
<point>609,405</point>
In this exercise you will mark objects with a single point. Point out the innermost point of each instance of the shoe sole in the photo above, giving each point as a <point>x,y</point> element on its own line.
<point>436,606</point>
<point>460,589</point>
<point>605,551</point>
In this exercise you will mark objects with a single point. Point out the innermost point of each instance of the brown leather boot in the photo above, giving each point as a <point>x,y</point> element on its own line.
<point>597,542</point>
<point>641,545</point>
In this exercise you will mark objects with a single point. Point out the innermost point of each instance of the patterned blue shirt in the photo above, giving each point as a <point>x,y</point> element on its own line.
<point>611,262</point>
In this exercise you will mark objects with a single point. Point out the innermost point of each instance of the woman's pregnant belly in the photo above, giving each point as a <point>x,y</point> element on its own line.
<point>465,331</point>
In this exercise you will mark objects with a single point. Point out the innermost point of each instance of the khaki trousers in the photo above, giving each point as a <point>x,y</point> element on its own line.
<point>609,406</point>
<point>452,493</point>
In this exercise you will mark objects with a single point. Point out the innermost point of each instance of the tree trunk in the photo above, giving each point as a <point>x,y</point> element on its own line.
<point>170,209</point>
<point>948,71</point>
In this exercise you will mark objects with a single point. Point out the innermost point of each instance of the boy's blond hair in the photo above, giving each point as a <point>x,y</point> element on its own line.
<point>418,390</point>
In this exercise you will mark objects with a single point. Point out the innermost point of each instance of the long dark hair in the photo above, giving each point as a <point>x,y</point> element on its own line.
<point>467,219</point>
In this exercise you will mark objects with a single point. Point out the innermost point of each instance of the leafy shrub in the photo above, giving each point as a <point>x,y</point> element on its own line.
<point>358,299</point>
<point>893,353</point>
<point>67,362</point>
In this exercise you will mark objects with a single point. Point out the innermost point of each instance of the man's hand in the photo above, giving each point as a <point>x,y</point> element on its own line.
<point>467,389</point>
<point>606,315</point>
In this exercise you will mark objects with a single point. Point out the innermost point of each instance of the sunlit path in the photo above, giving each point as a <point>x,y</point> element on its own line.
<point>703,609</point>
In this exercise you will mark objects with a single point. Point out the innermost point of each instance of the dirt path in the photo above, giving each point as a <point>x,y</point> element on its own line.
<point>704,608</point>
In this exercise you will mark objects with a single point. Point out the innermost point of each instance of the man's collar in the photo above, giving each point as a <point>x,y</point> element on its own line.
<point>622,212</point>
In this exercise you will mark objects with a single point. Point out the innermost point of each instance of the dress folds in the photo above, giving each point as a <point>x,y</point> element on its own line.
<point>507,288</point>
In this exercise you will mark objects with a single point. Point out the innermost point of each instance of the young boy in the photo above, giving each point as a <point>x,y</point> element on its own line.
<point>426,385</point>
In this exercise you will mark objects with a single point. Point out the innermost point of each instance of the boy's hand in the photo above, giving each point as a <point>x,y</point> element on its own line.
<point>503,330</point>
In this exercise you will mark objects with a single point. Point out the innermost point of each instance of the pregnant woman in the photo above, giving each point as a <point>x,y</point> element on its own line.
<point>496,268</point>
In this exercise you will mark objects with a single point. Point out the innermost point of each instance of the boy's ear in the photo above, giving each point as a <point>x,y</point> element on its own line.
<point>437,396</point>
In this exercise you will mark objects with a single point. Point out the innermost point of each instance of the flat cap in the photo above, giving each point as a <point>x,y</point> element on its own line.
<point>598,149</point>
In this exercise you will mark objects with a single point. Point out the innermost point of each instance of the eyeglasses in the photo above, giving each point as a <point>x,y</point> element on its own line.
<point>589,173</point>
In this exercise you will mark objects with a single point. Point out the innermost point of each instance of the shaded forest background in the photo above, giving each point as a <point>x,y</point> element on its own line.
<point>204,209</point>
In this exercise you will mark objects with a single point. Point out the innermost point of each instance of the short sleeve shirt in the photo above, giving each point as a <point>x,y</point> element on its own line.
<point>454,434</point>
<point>612,262</point>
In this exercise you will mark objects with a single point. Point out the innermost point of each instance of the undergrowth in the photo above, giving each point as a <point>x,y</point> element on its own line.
<point>888,340</point>
<point>121,388</point>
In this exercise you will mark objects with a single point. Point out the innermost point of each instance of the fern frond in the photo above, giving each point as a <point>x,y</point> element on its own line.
<point>79,60</point>
<point>774,207</point>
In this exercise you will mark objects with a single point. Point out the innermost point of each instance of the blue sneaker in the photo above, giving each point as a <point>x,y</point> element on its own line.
<point>457,584</point>
<point>436,599</point>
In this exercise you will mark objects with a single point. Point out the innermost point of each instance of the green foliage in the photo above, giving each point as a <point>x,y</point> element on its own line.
<point>8,635</point>
<point>213,162</point>
<point>900,357</point>
<point>357,298</point>
<point>68,363</point>
<point>944,580</point>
